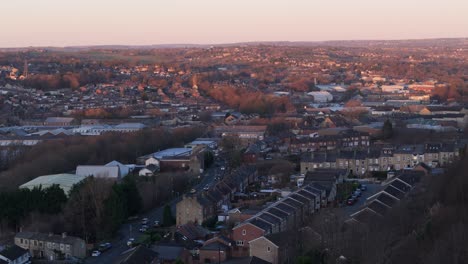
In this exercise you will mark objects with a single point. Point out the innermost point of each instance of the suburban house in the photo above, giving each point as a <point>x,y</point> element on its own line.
<point>64,181</point>
<point>274,248</point>
<point>286,214</point>
<point>149,170</point>
<point>51,247</point>
<point>15,255</point>
<point>194,208</point>
<point>216,250</point>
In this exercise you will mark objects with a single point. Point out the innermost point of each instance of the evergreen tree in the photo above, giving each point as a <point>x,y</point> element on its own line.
<point>168,220</point>
<point>387,129</point>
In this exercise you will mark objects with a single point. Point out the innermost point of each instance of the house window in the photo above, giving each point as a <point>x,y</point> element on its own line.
<point>268,249</point>
<point>40,244</point>
<point>21,241</point>
<point>62,246</point>
<point>68,247</point>
<point>244,232</point>
<point>240,243</point>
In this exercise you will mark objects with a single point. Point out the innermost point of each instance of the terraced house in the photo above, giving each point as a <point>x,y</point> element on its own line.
<point>51,247</point>
<point>360,162</point>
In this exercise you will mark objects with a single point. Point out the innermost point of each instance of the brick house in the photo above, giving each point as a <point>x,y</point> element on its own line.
<point>242,234</point>
<point>216,250</point>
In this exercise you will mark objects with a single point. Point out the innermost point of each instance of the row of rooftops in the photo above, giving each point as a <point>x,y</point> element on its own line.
<point>381,202</point>
<point>280,210</point>
<point>227,185</point>
<point>61,239</point>
<point>378,151</point>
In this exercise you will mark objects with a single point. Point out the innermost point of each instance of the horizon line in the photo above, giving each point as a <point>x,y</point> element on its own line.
<point>236,43</point>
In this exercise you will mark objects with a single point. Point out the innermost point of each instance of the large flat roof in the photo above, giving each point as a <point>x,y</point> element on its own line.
<point>172,152</point>
<point>64,180</point>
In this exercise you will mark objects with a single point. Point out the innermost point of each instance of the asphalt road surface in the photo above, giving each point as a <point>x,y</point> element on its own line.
<point>372,189</point>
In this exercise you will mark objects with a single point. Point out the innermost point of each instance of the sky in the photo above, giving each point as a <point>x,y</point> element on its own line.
<point>144,22</point>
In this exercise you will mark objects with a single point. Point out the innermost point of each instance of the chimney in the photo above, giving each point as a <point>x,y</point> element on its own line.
<point>64,234</point>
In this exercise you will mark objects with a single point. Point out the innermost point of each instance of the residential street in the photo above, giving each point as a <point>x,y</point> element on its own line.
<point>372,188</point>
<point>130,230</point>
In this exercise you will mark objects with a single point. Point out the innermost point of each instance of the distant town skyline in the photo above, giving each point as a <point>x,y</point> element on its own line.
<point>143,22</point>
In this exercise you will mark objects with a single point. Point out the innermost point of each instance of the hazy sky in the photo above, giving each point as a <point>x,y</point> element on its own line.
<point>136,22</point>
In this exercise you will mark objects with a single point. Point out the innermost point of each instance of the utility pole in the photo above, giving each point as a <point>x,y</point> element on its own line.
<point>219,253</point>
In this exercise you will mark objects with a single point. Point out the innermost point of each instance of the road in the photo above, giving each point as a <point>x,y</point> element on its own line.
<point>131,230</point>
<point>372,189</point>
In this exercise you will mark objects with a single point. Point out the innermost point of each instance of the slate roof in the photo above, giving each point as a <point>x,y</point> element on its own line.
<point>307,194</point>
<point>394,192</point>
<point>400,186</point>
<point>269,218</point>
<point>261,224</point>
<point>364,216</point>
<point>300,198</point>
<point>378,208</point>
<point>386,199</point>
<point>292,202</point>
<point>13,252</point>
<point>412,177</point>
<point>277,212</point>
<point>286,208</point>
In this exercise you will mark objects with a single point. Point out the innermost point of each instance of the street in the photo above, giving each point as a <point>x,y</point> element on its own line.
<point>131,230</point>
<point>372,189</point>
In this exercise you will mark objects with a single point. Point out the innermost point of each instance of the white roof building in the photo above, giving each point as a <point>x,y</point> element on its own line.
<point>321,96</point>
<point>64,181</point>
<point>99,171</point>
<point>124,169</point>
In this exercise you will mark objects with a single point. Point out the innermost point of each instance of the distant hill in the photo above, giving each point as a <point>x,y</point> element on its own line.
<point>441,42</point>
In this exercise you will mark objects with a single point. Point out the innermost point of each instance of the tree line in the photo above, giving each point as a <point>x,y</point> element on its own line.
<point>63,155</point>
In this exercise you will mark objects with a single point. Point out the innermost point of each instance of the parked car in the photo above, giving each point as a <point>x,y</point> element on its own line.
<point>96,253</point>
<point>358,193</point>
<point>144,221</point>
<point>156,223</point>
<point>223,168</point>
<point>130,242</point>
<point>104,246</point>
<point>354,196</point>
<point>193,191</point>
<point>350,201</point>
<point>363,187</point>
<point>143,228</point>
<point>206,188</point>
